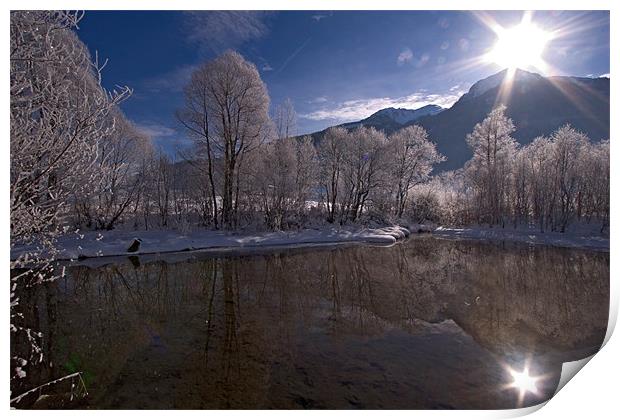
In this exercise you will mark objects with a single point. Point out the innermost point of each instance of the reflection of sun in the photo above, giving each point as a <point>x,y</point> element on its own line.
<point>523,381</point>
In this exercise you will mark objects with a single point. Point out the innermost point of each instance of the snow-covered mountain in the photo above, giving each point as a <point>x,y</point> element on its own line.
<point>403,115</point>
<point>538,105</point>
<point>491,82</point>
<point>392,119</point>
<point>388,119</point>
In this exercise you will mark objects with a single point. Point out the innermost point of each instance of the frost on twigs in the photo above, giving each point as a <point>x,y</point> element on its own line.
<point>59,115</point>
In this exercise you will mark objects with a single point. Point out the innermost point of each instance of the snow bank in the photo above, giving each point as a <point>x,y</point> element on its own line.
<point>115,243</point>
<point>567,240</point>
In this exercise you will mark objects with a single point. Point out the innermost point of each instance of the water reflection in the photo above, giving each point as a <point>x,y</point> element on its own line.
<point>424,324</point>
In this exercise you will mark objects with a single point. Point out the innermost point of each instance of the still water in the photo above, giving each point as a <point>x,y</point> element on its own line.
<point>427,323</point>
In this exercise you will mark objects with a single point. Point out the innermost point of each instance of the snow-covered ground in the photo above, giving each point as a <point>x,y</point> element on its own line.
<point>115,243</point>
<point>584,240</point>
<point>80,245</point>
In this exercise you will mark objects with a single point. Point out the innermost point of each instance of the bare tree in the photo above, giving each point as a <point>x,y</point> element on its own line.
<point>493,148</point>
<point>364,162</point>
<point>277,166</point>
<point>331,155</point>
<point>412,156</point>
<point>568,147</point>
<point>227,112</point>
<point>118,183</point>
<point>285,119</point>
<point>306,174</point>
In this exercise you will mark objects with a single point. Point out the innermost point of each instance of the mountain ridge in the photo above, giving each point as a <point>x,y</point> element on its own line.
<point>537,104</point>
<point>384,120</point>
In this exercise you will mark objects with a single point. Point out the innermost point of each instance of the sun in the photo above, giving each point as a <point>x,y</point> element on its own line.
<point>520,46</point>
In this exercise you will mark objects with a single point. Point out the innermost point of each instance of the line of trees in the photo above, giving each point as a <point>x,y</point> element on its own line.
<point>246,167</point>
<point>549,184</point>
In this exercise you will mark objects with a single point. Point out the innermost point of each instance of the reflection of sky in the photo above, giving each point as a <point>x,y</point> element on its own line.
<point>335,67</point>
<point>425,323</point>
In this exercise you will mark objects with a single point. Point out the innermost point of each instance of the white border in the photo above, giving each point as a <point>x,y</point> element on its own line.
<point>591,395</point>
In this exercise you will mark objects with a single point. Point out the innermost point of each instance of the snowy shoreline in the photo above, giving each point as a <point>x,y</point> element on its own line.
<point>115,243</point>
<point>80,246</point>
<point>586,241</point>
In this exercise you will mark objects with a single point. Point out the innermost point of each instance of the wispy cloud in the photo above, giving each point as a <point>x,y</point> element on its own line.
<point>293,55</point>
<point>216,30</point>
<point>172,81</point>
<point>155,130</point>
<point>318,18</point>
<point>405,56</point>
<point>318,100</point>
<point>358,109</point>
<point>605,75</point>
<point>266,67</point>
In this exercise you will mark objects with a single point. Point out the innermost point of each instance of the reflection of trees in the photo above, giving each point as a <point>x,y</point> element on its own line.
<point>223,327</point>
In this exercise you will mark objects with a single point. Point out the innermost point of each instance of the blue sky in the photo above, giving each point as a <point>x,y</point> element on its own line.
<point>334,66</point>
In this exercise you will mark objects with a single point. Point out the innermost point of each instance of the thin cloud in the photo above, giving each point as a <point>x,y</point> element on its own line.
<point>155,130</point>
<point>266,67</point>
<point>318,100</point>
<point>358,109</point>
<point>605,75</point>
<point>217,30</point>
<point>172,81</point>
<point>405,56</point>
<point>318,18</point>
<point>293,55</point>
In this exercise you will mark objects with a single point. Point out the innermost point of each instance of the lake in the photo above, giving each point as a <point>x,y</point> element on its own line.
<point>427,323</point>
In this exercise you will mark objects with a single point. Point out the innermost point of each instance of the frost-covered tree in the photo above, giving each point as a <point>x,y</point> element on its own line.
<point>332,156</point>
<point>363,171</point>
<point>568,146</point>
<point>285,119</point>
<point>412,156</point>
<point>59,116</point>
<point>226,111</point>
<point>594,196</point>
<point>306,174</point>
<point>276,181</point>
<point>493,149</point>
<point>536,158</point>
<point>118,184</point>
